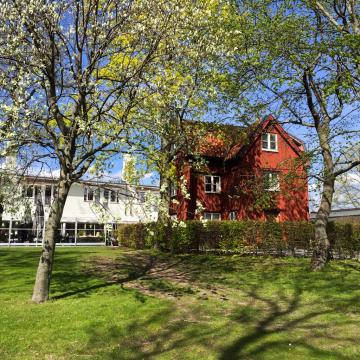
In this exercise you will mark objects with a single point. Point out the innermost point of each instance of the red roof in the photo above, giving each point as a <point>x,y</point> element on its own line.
<point>228,141</point>
<point>225,141</point>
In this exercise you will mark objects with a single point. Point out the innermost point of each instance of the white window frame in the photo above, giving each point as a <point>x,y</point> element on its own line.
<point>97,195</point>
<point>86,194</point>
<point>212,216</point>
<point>106,195</point>
<point>269,183</point>
<point>267,140</point>
<point>36,192</point>
<point>215,186</point>
<point>233,215</point>
<point>28,189</point>
<point>47,198</point>
<point>116,196</point>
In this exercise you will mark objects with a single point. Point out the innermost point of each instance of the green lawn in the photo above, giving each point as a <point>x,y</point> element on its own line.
<point>116,304</point>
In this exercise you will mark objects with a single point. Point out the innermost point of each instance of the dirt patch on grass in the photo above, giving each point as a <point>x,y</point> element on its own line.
<point>152,275</point>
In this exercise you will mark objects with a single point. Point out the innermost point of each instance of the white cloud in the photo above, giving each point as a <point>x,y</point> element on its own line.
<point>347,194</point>
<point>149,175</point>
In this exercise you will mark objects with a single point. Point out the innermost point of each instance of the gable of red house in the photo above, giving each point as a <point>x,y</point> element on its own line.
<point>231,184</point>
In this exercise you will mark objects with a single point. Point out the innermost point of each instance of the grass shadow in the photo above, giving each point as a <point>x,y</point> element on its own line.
<point>114,271</point>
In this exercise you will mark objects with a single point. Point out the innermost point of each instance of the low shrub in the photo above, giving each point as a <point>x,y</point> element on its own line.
<point>250,237</point>
<point>344,239</point>
<point>133,235</point>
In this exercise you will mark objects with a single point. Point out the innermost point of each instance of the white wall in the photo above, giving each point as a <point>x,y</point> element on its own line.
<point>128,209</point>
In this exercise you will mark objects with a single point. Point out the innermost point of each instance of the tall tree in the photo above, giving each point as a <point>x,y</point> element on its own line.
<point>57,97</point>
<point>300,70</point>
<point>187,87</point>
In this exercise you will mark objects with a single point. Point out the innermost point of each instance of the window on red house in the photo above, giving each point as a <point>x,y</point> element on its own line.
<point>269,142</point>
<point>232,215</point>
<point>271,181</point>
<point>212,184</point>
<point>212,216</point>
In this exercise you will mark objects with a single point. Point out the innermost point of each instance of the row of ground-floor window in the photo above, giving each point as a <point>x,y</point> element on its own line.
<point>272,214</point>
<point>69,232</point>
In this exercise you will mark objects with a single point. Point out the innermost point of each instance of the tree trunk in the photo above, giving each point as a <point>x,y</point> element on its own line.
<point>43,275</point>
<point>1,214</point>
<point>164,199</point>
<point>163,214</point>
<point>322,125</point>
<point>321,254</point>
<point>163,221</point>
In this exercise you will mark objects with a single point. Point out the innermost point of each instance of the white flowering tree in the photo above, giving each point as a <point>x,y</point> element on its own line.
<point>59,101</point>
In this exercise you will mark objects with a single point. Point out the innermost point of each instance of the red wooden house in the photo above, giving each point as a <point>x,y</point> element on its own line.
<point>254,173</point>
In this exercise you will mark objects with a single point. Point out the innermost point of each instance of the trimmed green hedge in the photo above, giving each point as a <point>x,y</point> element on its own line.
<point>252,237</point>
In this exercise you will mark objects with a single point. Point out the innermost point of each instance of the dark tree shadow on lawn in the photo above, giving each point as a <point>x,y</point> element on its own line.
<point>260,319</point>
<point>279,317</point>
<point>18,268</point>
<point>291,314</point>
<point>157,272</point>
<point>175,335</point>
<point>112,271</point>
<point>130,266</point>
<point>138,340</point>
<point>352,266</point>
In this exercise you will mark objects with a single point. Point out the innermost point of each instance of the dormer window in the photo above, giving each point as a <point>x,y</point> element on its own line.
<point>212,184</point>
<point>269,142</point>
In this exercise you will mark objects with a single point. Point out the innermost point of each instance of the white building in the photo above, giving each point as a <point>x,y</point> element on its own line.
<point>92,210</point>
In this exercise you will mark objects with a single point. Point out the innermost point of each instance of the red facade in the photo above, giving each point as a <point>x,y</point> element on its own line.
<point>260,176</point>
